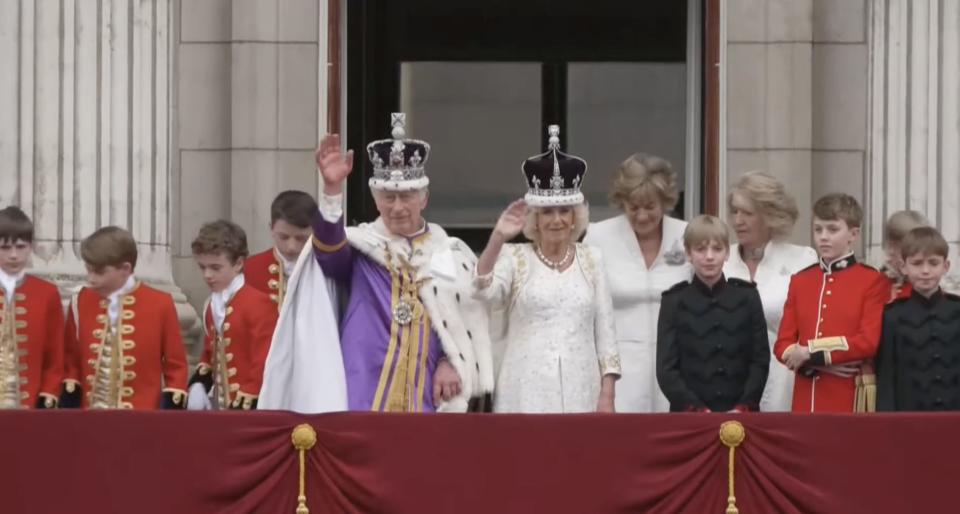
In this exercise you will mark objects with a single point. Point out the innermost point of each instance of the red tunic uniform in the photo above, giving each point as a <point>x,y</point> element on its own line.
<point>33,322</point>
<point>264,272</point>
<point>234,359</point>
<point>129,364</point>
<point>845,301</point>
<point>900,290</point>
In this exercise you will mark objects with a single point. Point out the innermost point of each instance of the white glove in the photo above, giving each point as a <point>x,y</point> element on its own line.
<point>197,398</point>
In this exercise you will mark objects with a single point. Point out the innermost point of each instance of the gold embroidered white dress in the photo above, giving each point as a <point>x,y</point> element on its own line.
<point>559,337</point>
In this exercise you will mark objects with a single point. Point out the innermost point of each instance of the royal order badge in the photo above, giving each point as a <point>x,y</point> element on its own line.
<point>403,312</point>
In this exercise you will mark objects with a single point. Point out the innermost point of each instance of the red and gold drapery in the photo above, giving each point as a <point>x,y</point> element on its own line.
<point>182,462</point>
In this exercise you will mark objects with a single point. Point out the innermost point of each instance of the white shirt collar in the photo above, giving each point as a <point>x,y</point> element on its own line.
<point>219,301</point>
<point>113,309</point>
<point>287,265</point>
<point>10,282</point>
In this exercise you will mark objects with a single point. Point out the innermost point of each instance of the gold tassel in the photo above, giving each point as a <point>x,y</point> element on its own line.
<point>866,393</point>
<point>304,437</point>
<point>732,434</point>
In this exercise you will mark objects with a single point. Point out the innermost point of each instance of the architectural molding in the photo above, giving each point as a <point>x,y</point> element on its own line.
<point>913,144</point>
<point>85,139</point>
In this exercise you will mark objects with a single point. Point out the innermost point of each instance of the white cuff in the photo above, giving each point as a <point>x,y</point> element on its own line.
<point>331,207</point>
<point>481,282</point>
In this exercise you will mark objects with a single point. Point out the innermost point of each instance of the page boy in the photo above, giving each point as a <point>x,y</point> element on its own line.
<point>894,231</point>
<point>918,365</point>
<point>290,228</point>
<point>31,322</point>
<point>831,319</point>
<point>123,344</point>
<point>238,322</point>
<point>712,349</point>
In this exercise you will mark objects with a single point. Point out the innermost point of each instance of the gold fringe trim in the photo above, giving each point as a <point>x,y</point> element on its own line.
<point>865,399</point>
<point>303,438</point>
<point>732,434</point>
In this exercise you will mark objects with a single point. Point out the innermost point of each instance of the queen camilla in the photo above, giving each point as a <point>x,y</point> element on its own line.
<point>560,352</point>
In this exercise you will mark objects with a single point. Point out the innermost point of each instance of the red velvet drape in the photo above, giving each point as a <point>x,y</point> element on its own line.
<point>163,462</point>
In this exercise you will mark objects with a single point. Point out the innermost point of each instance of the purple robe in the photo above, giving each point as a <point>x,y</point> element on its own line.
<point>370,339</point>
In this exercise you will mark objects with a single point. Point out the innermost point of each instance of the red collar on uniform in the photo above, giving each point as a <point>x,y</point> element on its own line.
<point>839,264</point>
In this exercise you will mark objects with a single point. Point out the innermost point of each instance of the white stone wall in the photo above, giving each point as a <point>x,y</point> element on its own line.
<point>796,96</point>
<point>247,111</point>
<point>769,99</point>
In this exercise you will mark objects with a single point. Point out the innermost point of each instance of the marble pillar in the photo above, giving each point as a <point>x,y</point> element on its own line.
<point>85,131</point>
<point>913,145</point>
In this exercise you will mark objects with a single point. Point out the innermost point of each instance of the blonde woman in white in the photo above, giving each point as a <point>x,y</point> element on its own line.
<point>559,350</point>
<point>643,250</point>
<point>762,214</point>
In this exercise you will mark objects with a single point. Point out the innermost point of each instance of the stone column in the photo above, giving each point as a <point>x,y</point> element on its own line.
<point>913,144</point>
<point>84,139</point>
<point>246,116</point>
<point>769,61</point>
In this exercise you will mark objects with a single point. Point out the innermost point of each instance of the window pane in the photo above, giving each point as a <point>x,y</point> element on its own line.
<point>481,120</point>
<point>617,109</point>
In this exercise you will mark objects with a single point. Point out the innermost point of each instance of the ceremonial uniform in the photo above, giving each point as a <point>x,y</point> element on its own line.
<point>918,364</point>
<point>267,273</point>
<point>125,351</point>
<point>236,342</point>
<point>31,344</point>
<point>712,347</point>
<point>835,309</point>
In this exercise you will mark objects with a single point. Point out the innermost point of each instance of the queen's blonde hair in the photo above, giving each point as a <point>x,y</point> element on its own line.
<point>581,218</point>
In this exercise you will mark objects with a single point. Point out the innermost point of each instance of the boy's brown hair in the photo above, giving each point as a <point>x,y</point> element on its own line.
<point>704,229</point>
<point>925,241</point>
<point>295,207</point>
<point>900,223</point>
<point>839,206</point>
<point>221,236</point>
<point>15,225</point>
<point>109,246</point>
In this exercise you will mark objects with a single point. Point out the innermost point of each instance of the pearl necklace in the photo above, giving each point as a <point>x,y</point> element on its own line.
<point>555,264</point>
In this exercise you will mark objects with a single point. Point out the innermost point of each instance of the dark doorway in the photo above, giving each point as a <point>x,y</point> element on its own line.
<point>481,83</point>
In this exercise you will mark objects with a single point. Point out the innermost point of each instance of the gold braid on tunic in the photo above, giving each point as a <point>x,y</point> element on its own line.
<point>10,381</point>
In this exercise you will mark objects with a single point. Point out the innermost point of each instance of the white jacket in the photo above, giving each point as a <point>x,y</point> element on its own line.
<point>780,261</point>
<point>635,291</point>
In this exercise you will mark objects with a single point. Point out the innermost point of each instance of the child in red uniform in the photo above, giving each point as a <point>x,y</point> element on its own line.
<point>290,228</point>
<point>31,322</point>
<point>898,225</point>
<point>123,344</point>
<point>832,316</point>
<point>238,323</point>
